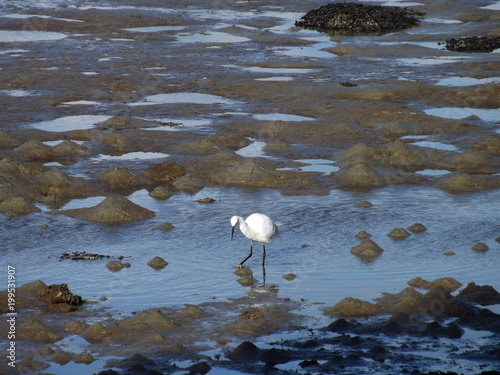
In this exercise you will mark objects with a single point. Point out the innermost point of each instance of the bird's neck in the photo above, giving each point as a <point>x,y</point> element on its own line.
<point>245,229</point>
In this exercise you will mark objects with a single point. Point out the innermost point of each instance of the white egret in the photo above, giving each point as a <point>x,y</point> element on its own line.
<point>257,228</point>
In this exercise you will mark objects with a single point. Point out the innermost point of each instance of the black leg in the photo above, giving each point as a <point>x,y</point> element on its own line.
<point>264,263</point>
<point>264,274</point>
<point>249,255</point>
<point>264,254</point>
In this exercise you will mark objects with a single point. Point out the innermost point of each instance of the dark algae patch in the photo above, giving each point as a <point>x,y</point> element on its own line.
<point>473,44</point>
<point>360,18</point>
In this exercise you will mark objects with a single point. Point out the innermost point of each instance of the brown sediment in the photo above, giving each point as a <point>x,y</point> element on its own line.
<point>156,338</point>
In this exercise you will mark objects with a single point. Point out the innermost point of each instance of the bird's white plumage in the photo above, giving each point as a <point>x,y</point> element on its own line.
<point>256,227</point>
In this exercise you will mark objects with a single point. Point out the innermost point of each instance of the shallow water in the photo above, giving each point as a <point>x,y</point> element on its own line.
<point>318,165</point>
<point>12,36</point>
<point>316,234</point>
<point>436,145</point>
<point>67,123</point>
<point>184,97</point>
<point>138,155</point>
<point>488,115</point>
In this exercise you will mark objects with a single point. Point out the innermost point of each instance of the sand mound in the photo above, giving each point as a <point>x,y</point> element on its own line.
<point>111,210</point>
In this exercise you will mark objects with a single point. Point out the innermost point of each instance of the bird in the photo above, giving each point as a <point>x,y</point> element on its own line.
<point>257,228</point>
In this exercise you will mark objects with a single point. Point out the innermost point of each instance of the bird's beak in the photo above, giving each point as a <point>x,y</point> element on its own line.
<point>232,232</point>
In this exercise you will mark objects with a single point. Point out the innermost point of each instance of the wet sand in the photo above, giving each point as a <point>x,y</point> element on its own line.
<point>206,82</point>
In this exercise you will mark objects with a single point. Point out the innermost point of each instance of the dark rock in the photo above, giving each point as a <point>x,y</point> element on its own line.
<point>151,319</point>
<point>252,172</point>
<point>60,294</point>
<point>356,17</point>
<point>247,281</point>
<point>448,283</point>
<point>435,329</point>
<point>136,359</point>
<point>7,141</point>
<point>192,311</point>
<point>489,144</point>
<point>116,265</point>
<point>108,372</point>
<point>61,357</point>
<point>29,365</point>
<point>364,204</point>
<point>367,249</point>
<point>272,357</point>
<point>480,247</point>
<point>120,178</point>
<point>157,263</point>
<point>472,161</point>
<point>473,44</point>
<point>482,319</point>
<point>77,255</point>
<point>166,172</point>
<point>35,149</point>
<point>246,351</point>
<point>124,122</point>
<point>341,325</point>
<point>308,344</point>
<point>75,327</point>
<point>483,295</point>
<point>408,301</point>
<point>243,271</point>
<point>308,363</point>
<point>54,182</point>
<point>353,307</point>
<point>359,176</point>
<point>252,314</point>
<point>403,156</point>
<point>462,182</point>
<point>289,276</point>
<point>165,227</point>
<point>439,302</point>
<point>18,205</point>
<point>379,353</point>
<point>199,368</point>
<point>363,235</point>
<point>34,329</point>
<point>189,183</point>
<point>360,153</point>
<point>160,193</point>
<point>69,149</point>
<point>113,138</point>
<point>86,358</point>
<point>206,200</point>
<point>398,233</point>
<point>417,228</point>
<point>96,333</point>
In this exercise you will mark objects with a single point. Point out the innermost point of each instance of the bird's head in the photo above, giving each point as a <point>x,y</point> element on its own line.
<point>234,222</point>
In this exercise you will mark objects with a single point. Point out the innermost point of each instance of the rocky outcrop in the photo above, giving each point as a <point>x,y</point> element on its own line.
<point>473,44</point>
<point>357,17</point>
